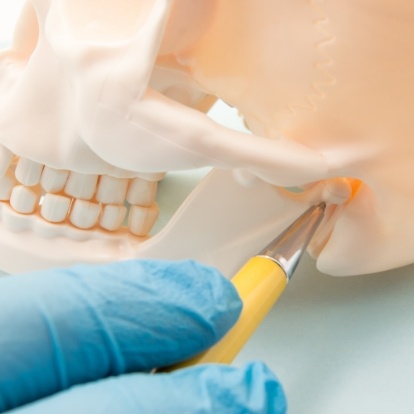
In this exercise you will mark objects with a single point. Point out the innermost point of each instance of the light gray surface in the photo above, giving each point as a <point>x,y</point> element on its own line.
<point>342,345</point>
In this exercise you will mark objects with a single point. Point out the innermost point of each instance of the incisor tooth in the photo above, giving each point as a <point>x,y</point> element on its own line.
<point>111,190</point>
<point>112,217</point>
<point>24,199</point>
<point>141,192</point>
<point>53,180</point>
<point>81,185</point>
<point>55,207</point>
<point>84,214</point>
<point>6,157</point>
<point>7,182</point>
<point>141,219</point>
<point>28,172</point>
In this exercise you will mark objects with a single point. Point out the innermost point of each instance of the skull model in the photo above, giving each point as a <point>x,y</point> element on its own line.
<point>99,98</point>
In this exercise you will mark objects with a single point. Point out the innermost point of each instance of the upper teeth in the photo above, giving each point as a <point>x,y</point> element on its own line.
<point>83,200</point>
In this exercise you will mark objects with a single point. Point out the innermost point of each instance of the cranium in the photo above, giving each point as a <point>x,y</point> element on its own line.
<point>99,98</point>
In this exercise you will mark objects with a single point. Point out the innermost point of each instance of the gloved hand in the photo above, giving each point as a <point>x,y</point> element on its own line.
<point>82,340</point>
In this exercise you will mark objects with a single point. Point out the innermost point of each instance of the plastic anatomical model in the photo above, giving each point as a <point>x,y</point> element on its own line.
<point>99,99</point>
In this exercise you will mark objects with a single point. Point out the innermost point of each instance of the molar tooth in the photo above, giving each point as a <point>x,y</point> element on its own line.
<point>111,190</point>
<point>55,207</point>
<point>6,157</point>
<point>112,217</point>
<point>7,182</point>
<point>53,180</point>
<point>81,185</point>
<point>151,176</point>
<point>28,172</point>
<point>24,199</point>
<point>141,192</point>
<point>84,214</point>
<point>141,219</point>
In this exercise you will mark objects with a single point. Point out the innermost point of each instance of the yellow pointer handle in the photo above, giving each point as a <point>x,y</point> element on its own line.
<point>259,283</point>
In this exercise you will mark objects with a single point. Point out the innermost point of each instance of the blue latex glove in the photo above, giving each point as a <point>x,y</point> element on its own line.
<point>80,340</point>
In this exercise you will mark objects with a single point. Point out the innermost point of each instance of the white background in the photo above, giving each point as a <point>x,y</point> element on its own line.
<point>338,345</point>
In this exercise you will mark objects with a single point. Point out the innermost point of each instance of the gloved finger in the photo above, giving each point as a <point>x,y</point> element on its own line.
<point>201,389</point>
<point>63,327</point>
